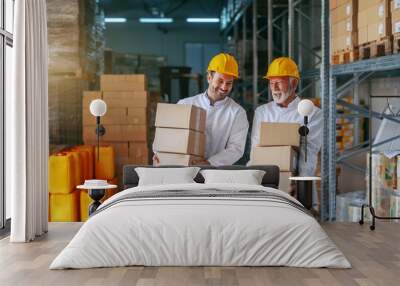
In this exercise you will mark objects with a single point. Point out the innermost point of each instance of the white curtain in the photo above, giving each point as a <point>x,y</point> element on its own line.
<point>27,123</point>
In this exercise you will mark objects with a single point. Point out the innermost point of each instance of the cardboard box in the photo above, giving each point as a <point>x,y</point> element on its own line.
<point>284,182</point>
<point>176,159</point>
<point>374,13</point>
<point>285,157</point>
<point>342,2</point>
<point>344,27</point>
<point>340,13</point>
<point>88,96</point>
<point>279,134</point>
<point>180,116</point>
<point>126,99</point>
<point>121,149</point>
<point>365,4</point>
<point>345,42</point>
<point>118,116</point>
<point>396,26</point>
<point>363,35</point>
<point>113,82</point>
<point>332,4</point>
<point>182,141</point>
<point>116,133</point>
<point>138,153</point>
<point>395,15</point>
<point>379,30</point>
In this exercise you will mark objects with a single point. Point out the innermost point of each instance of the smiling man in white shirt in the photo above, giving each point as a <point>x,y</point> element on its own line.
<point>226,123</point>
<point>283,76</point>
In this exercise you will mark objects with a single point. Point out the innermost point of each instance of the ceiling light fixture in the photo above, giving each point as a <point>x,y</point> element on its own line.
<point>202,20</point>
<point>115,20</point>
<point>156,20</point>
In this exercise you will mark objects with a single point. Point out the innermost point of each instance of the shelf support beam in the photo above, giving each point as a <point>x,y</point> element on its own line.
<point>255,57</point>
<point>324,79</point>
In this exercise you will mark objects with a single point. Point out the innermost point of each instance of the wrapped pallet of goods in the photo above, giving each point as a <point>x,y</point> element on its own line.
<point>74,63</point>
<point>344,37</point>
<point>374,28</point>
<point>348,206</point>
<point>395,204</point>
<point>384,182</point>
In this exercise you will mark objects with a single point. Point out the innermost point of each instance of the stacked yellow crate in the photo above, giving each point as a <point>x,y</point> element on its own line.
<point>102,168</point>
<point>64,175</point>
<point>344,38</point>
<point>179,137</point>
<point>70,168</point>
<point>126,120</point>
<point>374,28</point>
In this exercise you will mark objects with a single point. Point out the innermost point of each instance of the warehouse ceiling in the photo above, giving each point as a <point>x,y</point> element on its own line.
<point>179,9</point>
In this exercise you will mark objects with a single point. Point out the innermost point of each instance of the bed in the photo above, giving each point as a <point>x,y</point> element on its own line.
<point>197,224</point>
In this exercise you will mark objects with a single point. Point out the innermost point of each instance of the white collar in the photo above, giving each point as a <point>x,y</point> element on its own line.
<point>218,103</point>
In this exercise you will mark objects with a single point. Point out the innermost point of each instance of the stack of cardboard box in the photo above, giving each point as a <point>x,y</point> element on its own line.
<point>179,138</point>
<point>278,146</point>
<point>374,20</point>
<point>343,30</point>
<point>125,122</point>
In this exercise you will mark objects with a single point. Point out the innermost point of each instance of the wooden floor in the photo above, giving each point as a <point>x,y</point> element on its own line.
<point>375,257</point>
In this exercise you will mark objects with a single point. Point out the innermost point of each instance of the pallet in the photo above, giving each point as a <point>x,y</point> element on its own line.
<point>379,48</point>
<point>396,43</point>
<point>345,56</point>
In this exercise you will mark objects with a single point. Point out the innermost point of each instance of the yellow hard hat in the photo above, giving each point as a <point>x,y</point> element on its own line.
<point>283,66</point>
<point>225,64</point>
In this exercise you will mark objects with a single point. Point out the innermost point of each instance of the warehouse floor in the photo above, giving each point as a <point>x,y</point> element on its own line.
<point>375,257</point>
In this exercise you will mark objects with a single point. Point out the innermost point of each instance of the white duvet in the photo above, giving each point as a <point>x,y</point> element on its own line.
<point>200,231</point>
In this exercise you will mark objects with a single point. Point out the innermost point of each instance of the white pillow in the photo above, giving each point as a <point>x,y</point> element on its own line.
<point>248,177</point>
<point>166,176</point>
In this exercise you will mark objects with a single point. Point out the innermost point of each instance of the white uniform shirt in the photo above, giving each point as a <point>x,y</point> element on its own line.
<point>272,112</point>
<point>226,129</point>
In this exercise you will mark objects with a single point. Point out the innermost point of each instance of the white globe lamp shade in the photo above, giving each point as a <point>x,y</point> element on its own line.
<point>98,107</point>
<point>305,107</point>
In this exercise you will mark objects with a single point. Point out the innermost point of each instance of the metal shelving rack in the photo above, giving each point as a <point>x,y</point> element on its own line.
<point>285,16</point>
<point>364,69</point>
<point>290,23</point>
<point>331,95</point>
<point>281,27</point>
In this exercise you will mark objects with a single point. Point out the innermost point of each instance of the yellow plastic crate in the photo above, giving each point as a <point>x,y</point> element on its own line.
<point>85,162</point>
<point>78,169</point>
<point>105,166</point>
<point>61,173</point>
<point>64,207</point>
<point>90,154</point>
